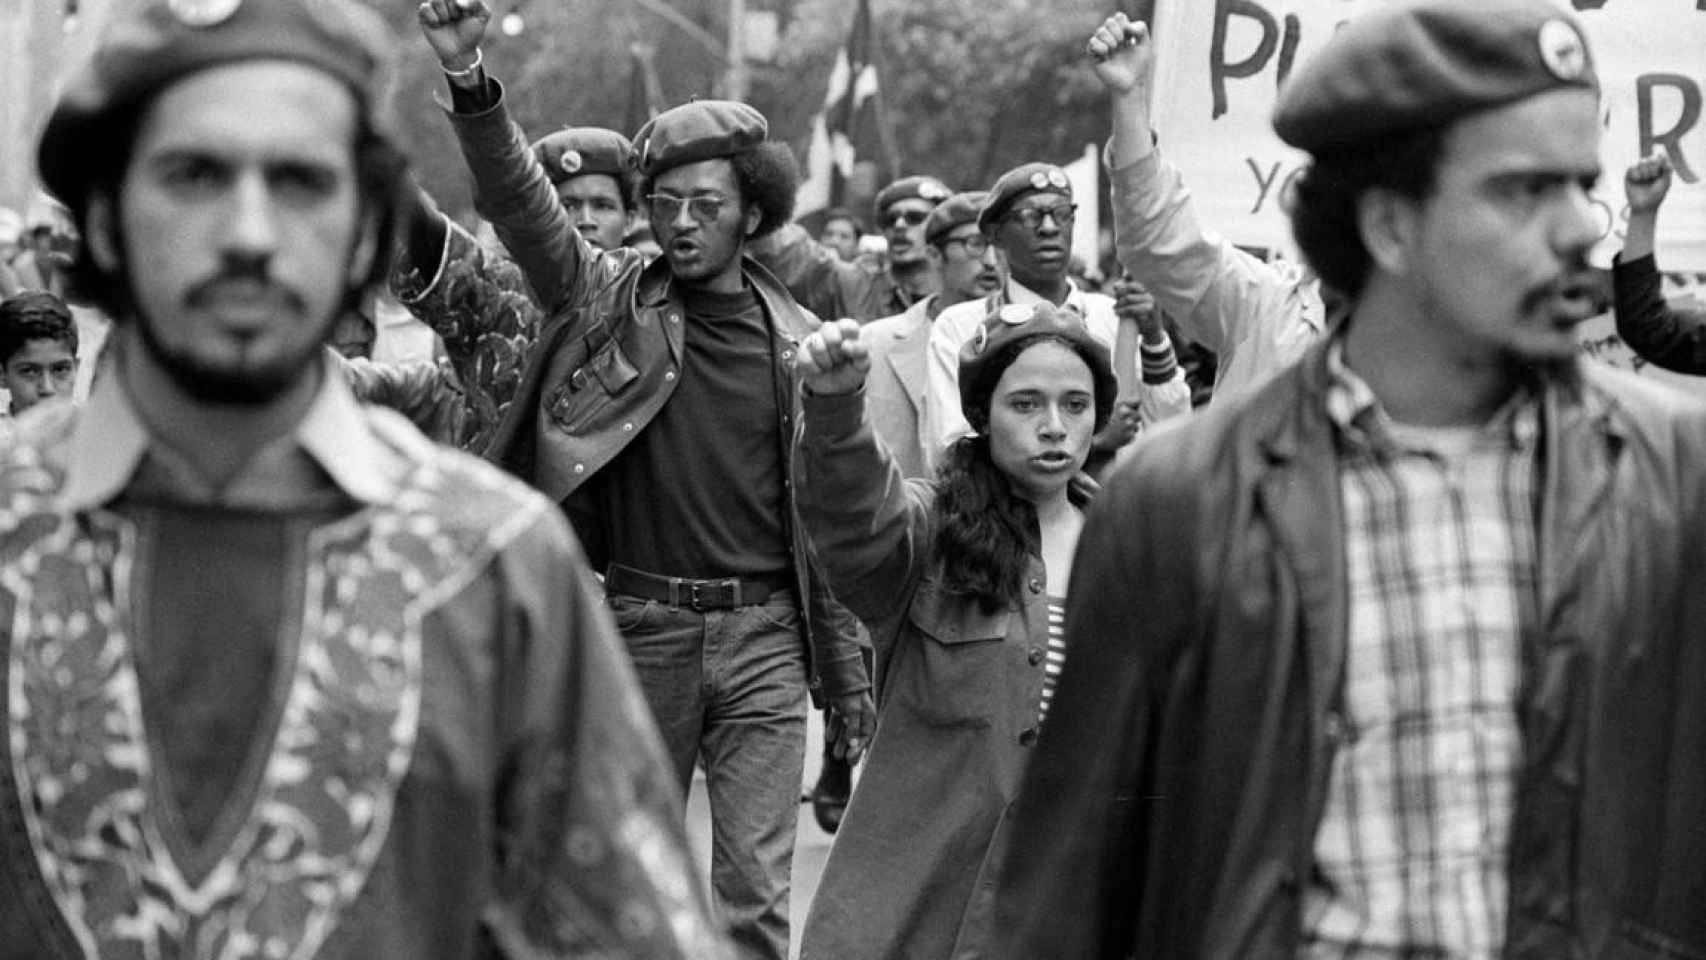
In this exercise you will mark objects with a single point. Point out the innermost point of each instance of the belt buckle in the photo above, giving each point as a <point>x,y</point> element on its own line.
<point>705,595</point>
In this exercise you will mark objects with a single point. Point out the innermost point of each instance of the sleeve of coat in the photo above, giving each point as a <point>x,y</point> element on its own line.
<point>479,304</point>
<point>869,526</point>
<point>1070,883</point>
<point>593,853</point>
<point>513,192</point>
<point>817,277</point>
<point>1670,338</point>
<point>1214,291</point>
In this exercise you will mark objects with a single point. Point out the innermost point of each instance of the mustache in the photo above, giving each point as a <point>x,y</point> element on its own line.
<point>242,280</point>
<point>1576,279</point>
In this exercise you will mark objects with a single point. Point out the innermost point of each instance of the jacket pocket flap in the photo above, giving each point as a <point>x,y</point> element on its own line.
<point>947,616</point>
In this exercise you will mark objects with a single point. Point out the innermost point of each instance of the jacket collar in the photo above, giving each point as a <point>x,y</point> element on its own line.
<point>110,443</point>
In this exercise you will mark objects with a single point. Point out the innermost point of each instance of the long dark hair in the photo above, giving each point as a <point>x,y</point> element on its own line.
<point>985,532</point>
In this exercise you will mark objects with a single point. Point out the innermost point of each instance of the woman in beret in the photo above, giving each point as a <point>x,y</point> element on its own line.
<point>962,582</point>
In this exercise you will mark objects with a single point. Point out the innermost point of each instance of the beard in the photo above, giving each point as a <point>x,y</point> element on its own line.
<point>241,384</point>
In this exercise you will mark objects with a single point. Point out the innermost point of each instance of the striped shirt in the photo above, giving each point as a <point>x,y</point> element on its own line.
<point>1055,658</point>
<point>1440,564</point>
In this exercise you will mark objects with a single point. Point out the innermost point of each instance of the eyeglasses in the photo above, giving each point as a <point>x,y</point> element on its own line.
<point>1032,217</point>
<point>703,207</point>
<point>975,244</point>
<point>911,218</point>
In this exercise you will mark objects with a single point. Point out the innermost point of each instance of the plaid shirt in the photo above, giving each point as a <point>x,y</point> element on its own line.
<point>1440,563</point>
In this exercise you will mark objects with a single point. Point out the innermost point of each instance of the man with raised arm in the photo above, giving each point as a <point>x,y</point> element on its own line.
<point>658,407</point>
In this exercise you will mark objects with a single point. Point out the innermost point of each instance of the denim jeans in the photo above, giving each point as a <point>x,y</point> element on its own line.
<point>730,686</point>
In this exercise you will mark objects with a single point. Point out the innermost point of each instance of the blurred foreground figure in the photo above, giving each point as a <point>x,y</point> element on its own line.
<point>1398,656</point>
<point>279,677</point>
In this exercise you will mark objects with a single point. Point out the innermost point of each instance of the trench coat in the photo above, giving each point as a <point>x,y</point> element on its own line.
<point>958,696</point>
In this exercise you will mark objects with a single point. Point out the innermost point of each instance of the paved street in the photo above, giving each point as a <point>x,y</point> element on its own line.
<point>810,849</point>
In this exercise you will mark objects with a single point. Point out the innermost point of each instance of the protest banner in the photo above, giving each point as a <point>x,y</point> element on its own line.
<point>1219,64</point>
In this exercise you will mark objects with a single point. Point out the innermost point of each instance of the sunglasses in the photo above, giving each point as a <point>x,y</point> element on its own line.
<point>911,218</point>
<point>703,207</point>
<point>1032,217</point>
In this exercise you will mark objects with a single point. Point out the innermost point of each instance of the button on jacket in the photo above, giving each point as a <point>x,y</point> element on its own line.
<point>614,342</point>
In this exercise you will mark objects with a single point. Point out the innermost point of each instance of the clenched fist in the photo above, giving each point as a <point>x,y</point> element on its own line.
<point>833,359</point>
<point>1124,54</point>
<point>1646,182</point>
<point>454,29</point>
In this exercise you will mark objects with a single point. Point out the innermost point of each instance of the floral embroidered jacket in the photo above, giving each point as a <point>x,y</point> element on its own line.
<point>453,759</point>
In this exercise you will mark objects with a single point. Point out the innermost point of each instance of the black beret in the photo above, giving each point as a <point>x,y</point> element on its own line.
<point>1014,322</point>
<point>961,208</point>
<point>1413,64</point>
<point>574,151</point>
<point>701,130</point>
<point>149,44</point>
<point>910,188</point>
<point>1015,183</point>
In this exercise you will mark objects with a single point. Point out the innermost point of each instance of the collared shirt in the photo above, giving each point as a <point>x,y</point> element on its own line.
<point>1439,531</point>
<point>332,449</point>
<point>946,422</point>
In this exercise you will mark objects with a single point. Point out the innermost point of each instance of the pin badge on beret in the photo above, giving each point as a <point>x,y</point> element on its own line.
<point>203,13</point>
<point>934,192</point>
<point>1561,50</point>
<point>1057,178</point>
<point>1039,180</point>
<point>571,162</point>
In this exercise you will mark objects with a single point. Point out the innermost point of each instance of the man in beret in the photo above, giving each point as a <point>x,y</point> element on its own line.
<point>831,287</point>
<point>279,677</point>
<point>1028,217</point>
<point>1396,656</point>
<point>658,408</point>
<point>1257,317</point>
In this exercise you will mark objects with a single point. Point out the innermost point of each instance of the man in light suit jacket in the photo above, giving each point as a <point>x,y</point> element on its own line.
<point>895,391</point>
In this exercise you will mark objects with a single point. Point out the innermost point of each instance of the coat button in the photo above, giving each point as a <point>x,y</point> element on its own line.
<point>628,427</point>
<point>1036,656</point>
<point>1334,727</point>
<point>787,354</point>
<point>669,376</point>
<point>1036,585</point>
<point>673,317</point>
<point>1028,737</point>
<point>580,468</point>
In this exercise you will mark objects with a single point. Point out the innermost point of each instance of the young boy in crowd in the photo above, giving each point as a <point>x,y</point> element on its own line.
<point>38,349</point>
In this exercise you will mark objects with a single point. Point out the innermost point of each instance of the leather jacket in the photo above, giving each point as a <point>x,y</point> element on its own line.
<point>608,359</point>
<point>1172,805</point>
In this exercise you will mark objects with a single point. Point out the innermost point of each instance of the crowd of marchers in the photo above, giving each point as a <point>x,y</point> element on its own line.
<point>1328,609</point>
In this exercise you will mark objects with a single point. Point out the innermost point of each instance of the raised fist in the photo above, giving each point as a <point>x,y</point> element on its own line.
<point>833,359</point>
<point>454,29</point>
<point>1646,182</point>
<point>1124,54</point>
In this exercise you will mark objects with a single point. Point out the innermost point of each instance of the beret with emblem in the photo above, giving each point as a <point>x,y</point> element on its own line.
<point>928,189</point>
<point>150,44</point>
<point>701,130</point>
<point>1017,182</point>
<point>1412,64</point>
<point>984,356</point>
<point>959,209</point>
<point>574,151</point>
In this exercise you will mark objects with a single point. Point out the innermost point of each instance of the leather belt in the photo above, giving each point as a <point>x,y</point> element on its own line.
<point>724,593</point>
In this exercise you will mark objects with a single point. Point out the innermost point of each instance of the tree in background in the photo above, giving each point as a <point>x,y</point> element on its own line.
<point>972,87</point>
